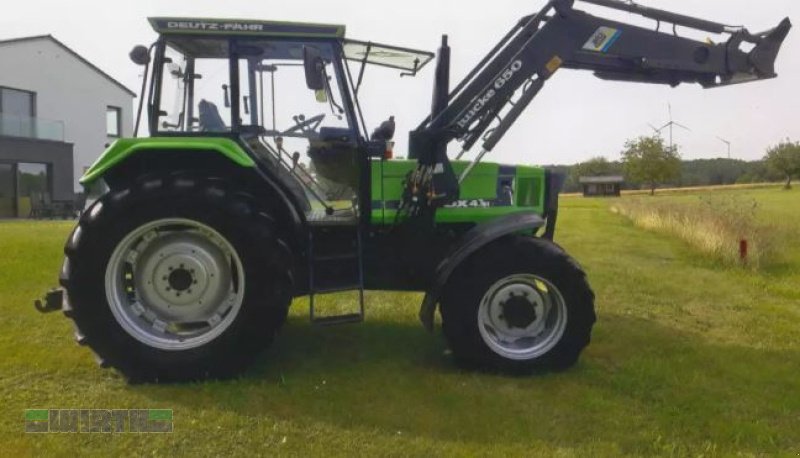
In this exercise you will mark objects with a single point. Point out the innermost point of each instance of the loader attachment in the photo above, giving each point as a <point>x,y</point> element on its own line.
<point>711,65</point>
<point>760,62</point>
<point>484,106</point>
<point>763,56</point>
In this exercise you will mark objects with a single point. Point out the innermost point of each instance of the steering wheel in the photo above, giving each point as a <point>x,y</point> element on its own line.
<point>304,127</point>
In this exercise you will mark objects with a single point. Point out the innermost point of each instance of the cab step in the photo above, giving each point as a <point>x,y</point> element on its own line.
<point>341,268</point>
<point>336,289</point>
<point>339,319</point>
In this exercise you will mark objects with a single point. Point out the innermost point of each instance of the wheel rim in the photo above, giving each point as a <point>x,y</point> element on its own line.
<point>522,317</point>
<point>174,284</point>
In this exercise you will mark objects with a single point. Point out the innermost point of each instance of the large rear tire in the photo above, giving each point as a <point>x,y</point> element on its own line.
<point>519,305</point>
<point>176,278</point>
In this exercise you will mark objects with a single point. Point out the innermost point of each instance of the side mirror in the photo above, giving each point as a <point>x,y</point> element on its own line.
<point>140,55</point>
<point>315,68</point>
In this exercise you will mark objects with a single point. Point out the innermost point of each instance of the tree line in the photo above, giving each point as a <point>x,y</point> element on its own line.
<point>647,163</point>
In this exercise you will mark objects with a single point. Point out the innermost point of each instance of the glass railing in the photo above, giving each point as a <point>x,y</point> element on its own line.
<point>26,127</point>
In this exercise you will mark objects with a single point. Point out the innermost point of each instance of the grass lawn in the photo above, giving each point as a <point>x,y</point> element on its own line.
<point>686,358</point>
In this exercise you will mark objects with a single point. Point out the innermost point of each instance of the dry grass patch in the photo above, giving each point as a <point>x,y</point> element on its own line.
<point>698,189</point>
<point>713,225</point>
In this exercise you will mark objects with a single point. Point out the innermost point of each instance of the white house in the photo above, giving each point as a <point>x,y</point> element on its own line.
<point>57,113</point>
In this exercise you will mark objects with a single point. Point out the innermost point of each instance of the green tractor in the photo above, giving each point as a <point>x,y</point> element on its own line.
<point>259,183</point>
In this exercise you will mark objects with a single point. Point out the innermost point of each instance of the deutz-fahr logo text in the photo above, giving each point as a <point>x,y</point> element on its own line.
<point>215,26</point>
<point>484,100</point>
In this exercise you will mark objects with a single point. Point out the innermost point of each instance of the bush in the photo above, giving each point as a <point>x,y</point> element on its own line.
<point>713,225</point>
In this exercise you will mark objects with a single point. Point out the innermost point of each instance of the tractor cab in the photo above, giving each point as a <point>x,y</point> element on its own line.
<point>285,92</point>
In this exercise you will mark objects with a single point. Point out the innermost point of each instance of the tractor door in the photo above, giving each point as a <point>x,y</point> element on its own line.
<point>306,131</point>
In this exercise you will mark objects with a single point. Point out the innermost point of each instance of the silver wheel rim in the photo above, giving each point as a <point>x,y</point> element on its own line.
<point>174,284</point>
<point>522,317</point>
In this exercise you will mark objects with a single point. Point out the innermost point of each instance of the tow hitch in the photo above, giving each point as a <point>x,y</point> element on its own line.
<point>52,302</point>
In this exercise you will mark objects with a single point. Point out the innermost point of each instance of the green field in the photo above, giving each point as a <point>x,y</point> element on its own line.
<point>687,358</point>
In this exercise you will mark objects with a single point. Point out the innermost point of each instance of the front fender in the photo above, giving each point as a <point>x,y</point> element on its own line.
<point>126,147</point>
<point>477,238</point>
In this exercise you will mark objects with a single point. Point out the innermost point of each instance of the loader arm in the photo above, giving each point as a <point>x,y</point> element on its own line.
<point>492,97</point>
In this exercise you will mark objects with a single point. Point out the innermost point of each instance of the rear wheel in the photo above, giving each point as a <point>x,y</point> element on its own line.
<point>520,305</point>
<point>176,278</point>
<point>174,284</point>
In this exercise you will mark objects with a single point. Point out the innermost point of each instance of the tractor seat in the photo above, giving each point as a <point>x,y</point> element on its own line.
<point>210,119</point>
<point>334,156</point>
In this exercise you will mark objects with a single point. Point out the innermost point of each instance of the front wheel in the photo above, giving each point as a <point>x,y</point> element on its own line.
<point>176,278</point>
<point>519,305</point>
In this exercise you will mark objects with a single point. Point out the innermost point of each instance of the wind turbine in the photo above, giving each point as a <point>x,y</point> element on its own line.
<point>671,124</point>
<point>727,143</point>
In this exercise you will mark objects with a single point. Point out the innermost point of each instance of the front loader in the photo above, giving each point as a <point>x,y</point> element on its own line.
<point>259,183</point>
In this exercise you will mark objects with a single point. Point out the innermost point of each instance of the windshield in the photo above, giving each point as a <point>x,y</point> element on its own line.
<point>274,91</point>
<point>196,90</point>
<point>410,60</point>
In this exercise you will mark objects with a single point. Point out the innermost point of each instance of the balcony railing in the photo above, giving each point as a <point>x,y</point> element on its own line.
<point>26,127</point>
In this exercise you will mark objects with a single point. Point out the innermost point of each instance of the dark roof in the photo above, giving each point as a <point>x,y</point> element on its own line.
<point>209,26</point>
<point>602,180</point>
<point>76,55</point>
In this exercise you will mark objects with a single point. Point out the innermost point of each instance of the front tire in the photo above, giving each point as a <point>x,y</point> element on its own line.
<point>519,305</point>
<point>176,278</point>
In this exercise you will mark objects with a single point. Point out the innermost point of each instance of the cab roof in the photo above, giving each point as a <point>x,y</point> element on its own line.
<point>204,26</point>
<point>366,52</point>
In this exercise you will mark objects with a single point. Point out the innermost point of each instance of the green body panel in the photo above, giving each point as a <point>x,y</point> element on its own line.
<point>479,199</point>
<point>125,147</point>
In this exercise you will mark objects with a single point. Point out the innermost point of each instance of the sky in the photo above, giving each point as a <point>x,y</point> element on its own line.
<point>574,118</point>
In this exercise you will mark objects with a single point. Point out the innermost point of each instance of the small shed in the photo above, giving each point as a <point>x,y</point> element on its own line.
<point>607,186</point>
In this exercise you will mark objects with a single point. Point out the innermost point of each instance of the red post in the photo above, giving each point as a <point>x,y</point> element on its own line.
<point>743,250</point>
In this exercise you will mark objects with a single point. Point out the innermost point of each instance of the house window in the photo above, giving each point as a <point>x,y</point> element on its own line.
<point>113,122</point>
<point>17,110</point>
<point>8,191</point>
<point>33,189</point>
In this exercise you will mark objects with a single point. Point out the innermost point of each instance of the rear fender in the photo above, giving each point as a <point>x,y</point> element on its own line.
<point>127,147</point>
<point>477,238</point>
<point>128,158</point>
